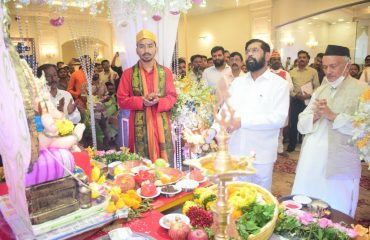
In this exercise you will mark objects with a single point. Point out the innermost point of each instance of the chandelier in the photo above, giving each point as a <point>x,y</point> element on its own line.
<point>97,6</point>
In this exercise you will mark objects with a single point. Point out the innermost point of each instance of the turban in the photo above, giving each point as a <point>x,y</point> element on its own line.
<point>335,50</point>
<point>275,54</point>
<point>145,34</point>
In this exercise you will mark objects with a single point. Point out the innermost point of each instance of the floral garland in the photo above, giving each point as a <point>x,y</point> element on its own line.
<point>361,123</point>
<point>110,156</point>
<point>296,225</point>
<point>194,105</point>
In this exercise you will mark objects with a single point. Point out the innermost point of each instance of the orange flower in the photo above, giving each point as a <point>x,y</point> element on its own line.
<point>236,214</point>
<point>362,232</point>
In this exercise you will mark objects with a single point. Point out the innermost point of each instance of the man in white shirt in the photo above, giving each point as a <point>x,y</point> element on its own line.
<point>276,67</point>
<point>261,102</point>
<point>236,63</point>
<point>329,167</point>
<point>61,99</point>
<point>220,70</point>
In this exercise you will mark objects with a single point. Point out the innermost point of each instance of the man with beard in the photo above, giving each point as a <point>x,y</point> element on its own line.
<point>305,81</point>
<point>260,100</point>
<point>147,90</point>
<point>61,99</point>
<point>329,167</point>
<point>276,67</point>
<point>196,71</point>
<point>318,66</point>
<point>236,61</point>
<point>181,64</point>
<point>220,70</point>
<point>63,79</point>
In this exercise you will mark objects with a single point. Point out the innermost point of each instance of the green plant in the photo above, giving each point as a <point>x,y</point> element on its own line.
<point>254,217</point>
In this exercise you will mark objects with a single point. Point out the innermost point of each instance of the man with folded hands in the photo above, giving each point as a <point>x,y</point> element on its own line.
<point>148,92</point>
<point>329,167</point>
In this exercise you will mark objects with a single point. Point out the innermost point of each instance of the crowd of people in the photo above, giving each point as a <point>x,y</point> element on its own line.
<point>273,104</point>
<point>69,92</point>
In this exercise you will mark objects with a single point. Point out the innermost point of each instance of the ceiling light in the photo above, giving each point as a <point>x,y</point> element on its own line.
<point>309,23</point>
<point>333,23</point>
<point>312,43</point>
<point>348,22</point>
<point>340,20</point>
<point>315,18</point>
<point>19,6</point>
<point>203,4</point>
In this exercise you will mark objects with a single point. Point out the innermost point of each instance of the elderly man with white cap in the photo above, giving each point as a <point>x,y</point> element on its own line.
<point>329,167</point>
<point>148,91</point>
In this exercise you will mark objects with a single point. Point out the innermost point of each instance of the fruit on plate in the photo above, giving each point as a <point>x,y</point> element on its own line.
<point>179,230</point>
<point>144,175</point>
<point>160,162</point>
<point>164,177</point>
<point>196,175</point>
<point>198,234</point>
<point>126,182</point>
<point>148,190</point>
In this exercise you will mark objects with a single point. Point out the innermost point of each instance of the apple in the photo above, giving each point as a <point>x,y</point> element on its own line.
<point>148,190</point>
<point>198,234</point>
<point>179,230</point>
<point>160,162</point>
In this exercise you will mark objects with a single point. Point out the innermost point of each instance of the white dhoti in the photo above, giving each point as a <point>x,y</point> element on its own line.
<point>263,176</point>
<point>341,194</point>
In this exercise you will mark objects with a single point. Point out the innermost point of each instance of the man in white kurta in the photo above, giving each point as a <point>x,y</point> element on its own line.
<point>261,102</point>
<point>329,167</point>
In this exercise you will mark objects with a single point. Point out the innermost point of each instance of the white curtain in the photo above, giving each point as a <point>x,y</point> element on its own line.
<point>126,26</point>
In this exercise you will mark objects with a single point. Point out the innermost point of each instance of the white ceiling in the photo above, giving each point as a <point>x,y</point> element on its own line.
<point>220,5</point>
<point>361,12</point>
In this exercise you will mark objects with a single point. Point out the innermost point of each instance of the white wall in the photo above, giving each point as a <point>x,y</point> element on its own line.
<point>343,34</point>
<point>284,11</point>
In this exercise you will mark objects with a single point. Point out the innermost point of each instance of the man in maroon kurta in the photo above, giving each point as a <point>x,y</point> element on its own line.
<point>147,90</point>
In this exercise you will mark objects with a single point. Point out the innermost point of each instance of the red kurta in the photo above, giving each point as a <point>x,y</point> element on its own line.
<point>128,101</point>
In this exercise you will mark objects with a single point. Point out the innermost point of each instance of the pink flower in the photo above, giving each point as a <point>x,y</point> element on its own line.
<point>305,218</point>
<point>351,232</point>
<point>100,153</point>
<point>339,227</point>
<point>110,151</point>
<point>324,222</point>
